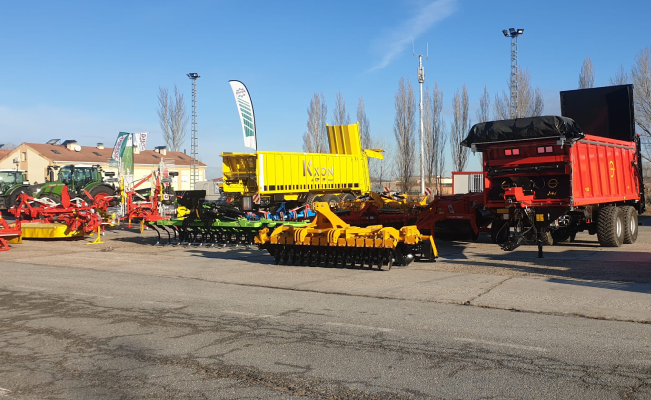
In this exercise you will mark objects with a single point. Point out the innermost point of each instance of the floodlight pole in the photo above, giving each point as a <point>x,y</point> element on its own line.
<point>421,80</point>
<point>513,34</point>
<point>194,141</point>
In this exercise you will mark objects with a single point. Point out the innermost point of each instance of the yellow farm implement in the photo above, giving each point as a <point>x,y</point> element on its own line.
<point>328,240</point>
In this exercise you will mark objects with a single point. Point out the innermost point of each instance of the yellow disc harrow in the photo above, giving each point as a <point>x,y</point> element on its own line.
<point>328,240</point>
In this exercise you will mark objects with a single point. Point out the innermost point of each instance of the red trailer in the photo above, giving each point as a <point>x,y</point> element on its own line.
<point>547,179</point>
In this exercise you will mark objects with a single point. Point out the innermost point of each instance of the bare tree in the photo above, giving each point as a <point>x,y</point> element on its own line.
<point>315,140</point>
<point>364,125</point>
<point>621,77</point>
<point>586,76</point>
<point>483,112</point>
<point>173,118</point>
<point>530,103</point>
<point>428,134</point>
<point>460,126</point>
<point>434,135</point>
<point>382,171</point>
<point>7,146</point>
<point>403,130</point>
<point>641,77</point>
<point>339,114</point>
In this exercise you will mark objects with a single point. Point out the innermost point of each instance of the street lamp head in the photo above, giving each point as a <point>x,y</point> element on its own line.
<point>505,32</point>
<point>511,31</point>
<point>193,75</point>
<point>520,31</point>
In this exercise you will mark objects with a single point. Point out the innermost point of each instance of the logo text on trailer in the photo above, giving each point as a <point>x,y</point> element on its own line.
<point>318,174</point>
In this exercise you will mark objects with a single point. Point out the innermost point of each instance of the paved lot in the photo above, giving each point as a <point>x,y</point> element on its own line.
<point>125,319</point>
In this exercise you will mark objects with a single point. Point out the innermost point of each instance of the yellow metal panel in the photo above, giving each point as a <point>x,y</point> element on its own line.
<point>344,139</point>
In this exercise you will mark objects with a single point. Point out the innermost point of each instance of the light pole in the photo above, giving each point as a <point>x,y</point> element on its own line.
<point>194,142</point>
<point>421,80</point>
<point>513,34</point>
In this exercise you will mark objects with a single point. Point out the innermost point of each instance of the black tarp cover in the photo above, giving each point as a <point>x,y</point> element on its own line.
<point>523,129</point>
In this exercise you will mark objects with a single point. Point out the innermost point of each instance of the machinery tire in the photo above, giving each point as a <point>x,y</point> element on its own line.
<point>610,227</point>
<point>546,237</point>
<point>561,236</point>
<point>331,199</point>
<point>630,224</point>
<point>312,198</point>
<point>346,197</point>
<point>11,199</point>
<point>499,232</point>
<point>101,189</point>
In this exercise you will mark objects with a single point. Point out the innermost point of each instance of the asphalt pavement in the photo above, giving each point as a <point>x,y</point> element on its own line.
<point>125,319</point>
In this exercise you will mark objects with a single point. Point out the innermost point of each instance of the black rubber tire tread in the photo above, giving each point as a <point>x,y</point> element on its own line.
<point>561,236</point>
<point>630,216</point>
<point>547,238</point>
<point>312,198</point>
<point>607,227</point>
<point>11,199</point>
<point>95,190</point>
<point>331,199</point>
<point>346,197</point>
<point>499,235</point>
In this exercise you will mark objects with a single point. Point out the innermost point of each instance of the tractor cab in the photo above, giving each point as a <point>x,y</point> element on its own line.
<point>81,181</point>
<point>12,183</point>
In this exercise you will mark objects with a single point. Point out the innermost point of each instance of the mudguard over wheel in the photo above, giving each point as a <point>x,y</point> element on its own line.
<point>610,227</point>
<point>630,224</point>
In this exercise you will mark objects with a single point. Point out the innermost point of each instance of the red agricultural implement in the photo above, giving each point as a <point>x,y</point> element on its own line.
<point>8,233</point>
<point>458,216</point>
<point>148,207</point>
<point>547,178</point>
<point>77,215</point>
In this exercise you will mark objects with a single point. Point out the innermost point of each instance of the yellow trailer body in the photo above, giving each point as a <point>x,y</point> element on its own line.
<point>293,176</point>
<point>269,172</point>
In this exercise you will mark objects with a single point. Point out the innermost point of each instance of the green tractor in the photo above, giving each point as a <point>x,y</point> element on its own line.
<point>12,183</point>
<point>79,179</point>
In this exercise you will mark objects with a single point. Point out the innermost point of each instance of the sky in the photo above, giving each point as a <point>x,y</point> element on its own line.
<point>87,70</point>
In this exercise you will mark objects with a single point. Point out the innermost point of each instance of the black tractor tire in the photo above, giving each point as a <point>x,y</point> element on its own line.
<point>562,236</point>
<point>312,198</point>
<point>346,197</point>
<point>499,231</point>
<point>12,199</point>
<point>546,237</point>
<point>610,227</point>
<point>331,199</point>
<point>630,224</point>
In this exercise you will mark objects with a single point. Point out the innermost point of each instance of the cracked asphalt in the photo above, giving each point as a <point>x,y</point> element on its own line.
<point>127,320</point>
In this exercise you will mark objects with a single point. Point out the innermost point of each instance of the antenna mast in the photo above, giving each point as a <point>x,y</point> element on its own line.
<point>421,79</point>
<point>194,142</point>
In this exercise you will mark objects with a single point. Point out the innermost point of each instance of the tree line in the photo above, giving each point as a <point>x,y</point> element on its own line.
<point>640,76</point>
<point>401,154</point>
<point>401,161</point>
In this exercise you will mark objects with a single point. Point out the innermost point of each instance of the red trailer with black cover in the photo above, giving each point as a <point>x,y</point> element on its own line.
<point>547,178</point>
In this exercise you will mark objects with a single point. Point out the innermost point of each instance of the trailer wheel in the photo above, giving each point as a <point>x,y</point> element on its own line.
<point>331,199</point>
<point>610,227</point>
<point>630,224</point>
<point>561,236</point>
<point>499,231</point>
<point>546,237</point>
<point>346,197</point>
<point>312,198</point>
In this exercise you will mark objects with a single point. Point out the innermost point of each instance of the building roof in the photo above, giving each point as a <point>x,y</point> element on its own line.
<point>91,154</point>
<point>4,153</point>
